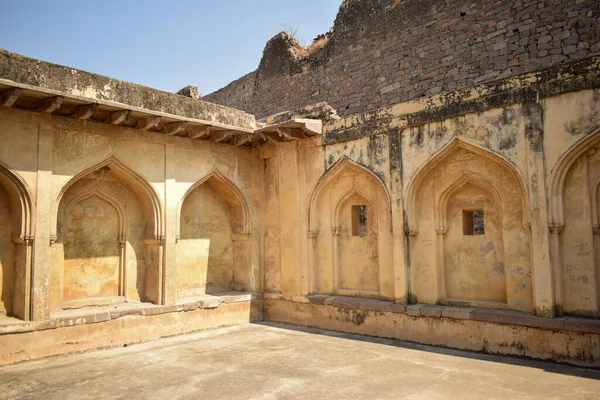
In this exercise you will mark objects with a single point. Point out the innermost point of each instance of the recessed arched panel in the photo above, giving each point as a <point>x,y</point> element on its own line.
<point>16,239</point>
<point>92,249</point>
<point>150,201</point>
<point>7,254</point>
<point>358,267</point>
<point>212,248</point>
<point>350,236</point>
<point>474,265</point>
<point>470,242</point>
<point>574,221</point>
<point>100,254</point>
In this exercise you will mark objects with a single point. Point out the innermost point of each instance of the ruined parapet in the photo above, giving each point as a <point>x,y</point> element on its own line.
<point>190,91</point>
<point>386,52</point>
<point>48,76</point>
<point>321,111</point>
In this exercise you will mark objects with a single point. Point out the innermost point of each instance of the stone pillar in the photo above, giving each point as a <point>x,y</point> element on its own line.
<point>596,230</point>
<point>440,275</point>
<point>22,277</point>
<point>543,276</point>
<point>169,240</point>
<point>154,269</point>
<point>291,271</point>
<point>400,241</point>
<point>123,266</point>
<point>43,208</point>
<point>555,257</point>
<point>311,262</point>
<point>336,231</point>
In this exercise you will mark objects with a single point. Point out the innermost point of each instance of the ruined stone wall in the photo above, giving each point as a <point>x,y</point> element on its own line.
<point>384,52</point>
<point>519,152</point>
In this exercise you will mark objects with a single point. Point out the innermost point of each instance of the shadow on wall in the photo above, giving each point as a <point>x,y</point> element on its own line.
<point>100,249</point>
<point>209,260</point>
<point>7,254</point>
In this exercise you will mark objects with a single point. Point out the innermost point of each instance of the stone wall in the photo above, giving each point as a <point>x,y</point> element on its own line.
<point>384,52</point>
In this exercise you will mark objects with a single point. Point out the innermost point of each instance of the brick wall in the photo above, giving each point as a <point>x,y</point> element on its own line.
<point>382,52</point>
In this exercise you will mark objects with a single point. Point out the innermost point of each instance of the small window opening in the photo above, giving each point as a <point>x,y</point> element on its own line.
<point>359,221</point>
<point>473,223</point>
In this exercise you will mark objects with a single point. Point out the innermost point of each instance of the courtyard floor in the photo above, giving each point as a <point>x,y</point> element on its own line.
<point>276,361</point>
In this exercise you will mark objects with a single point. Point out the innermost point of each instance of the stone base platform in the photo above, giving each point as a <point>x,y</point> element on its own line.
<point>567,340</point>
<point>113,326</point>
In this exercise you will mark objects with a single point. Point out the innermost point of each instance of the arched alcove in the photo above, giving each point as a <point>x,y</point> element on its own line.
<point>350,236</point>
<point>106,245</point>
<point>470,242</point>
<point>16,240</point>
<point>213,253</point>
<point>574,224</point>
<point>473,265</point>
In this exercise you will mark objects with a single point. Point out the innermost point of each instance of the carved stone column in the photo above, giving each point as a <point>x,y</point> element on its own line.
<point>154,269</point>
<point>22,278</point>
<point>336,231</point>
<point>440,276</point>
<point>596,230</point>
<point>555,230</point>
<point>312,242</point>
<point>123,266</point>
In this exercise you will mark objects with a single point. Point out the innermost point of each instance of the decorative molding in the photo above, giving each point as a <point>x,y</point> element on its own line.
<point>336,230</point>
<point>441,230</point>
<point>555,229</point>
<point>312,234</point>
<point>413,232</point>
<point>53,239</point>
<point>20,239</point>
<point>596,229</point>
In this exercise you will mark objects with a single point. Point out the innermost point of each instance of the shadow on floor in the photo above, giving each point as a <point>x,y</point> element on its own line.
<point>547,366</point>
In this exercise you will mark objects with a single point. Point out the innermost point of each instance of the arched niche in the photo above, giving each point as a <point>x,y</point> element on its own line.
<point>468,221</point>
<point>574,227</point>
<point>106,245</point>
<point>213,243</point>
<point>16,241</point>
<point>350,235</point>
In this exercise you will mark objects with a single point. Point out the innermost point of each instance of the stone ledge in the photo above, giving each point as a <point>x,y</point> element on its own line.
<point>505,317</point>
<point>103,315</point>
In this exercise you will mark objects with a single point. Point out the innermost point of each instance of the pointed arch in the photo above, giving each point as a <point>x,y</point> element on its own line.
<point>121,212</point>
<point>467,178</point>
<point>142,188</point>
<point>348,194</point>
<point>343,164</point>
<point>232,188</point>
<point>21,200</point>
<point>412,189</point>
<point>559,173</point>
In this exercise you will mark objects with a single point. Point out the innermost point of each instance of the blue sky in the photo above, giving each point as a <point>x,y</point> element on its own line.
<point>159,43</point>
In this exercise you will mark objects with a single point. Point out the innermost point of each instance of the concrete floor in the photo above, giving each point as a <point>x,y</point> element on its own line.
<point>276,361</point>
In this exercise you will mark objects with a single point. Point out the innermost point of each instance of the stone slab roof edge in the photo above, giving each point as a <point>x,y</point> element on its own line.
<point>68,81</point>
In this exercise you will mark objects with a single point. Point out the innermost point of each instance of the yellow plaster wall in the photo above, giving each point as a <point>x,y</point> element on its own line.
<point>7,254</point>
<point>205,249</point>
